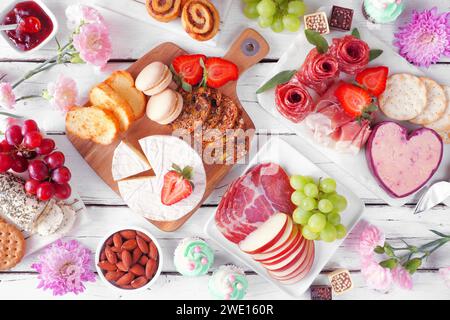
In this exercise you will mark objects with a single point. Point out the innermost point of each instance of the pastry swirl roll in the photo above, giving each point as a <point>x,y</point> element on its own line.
<point>164,10</point>
<point>200,19</point>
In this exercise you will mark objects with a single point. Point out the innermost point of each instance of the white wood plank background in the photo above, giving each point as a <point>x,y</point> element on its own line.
<point>131,39</point>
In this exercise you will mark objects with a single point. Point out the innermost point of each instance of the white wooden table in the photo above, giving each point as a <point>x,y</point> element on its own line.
<point>131,39</point>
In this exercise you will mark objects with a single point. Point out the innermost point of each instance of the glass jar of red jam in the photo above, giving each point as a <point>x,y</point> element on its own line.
<point>34,25</point>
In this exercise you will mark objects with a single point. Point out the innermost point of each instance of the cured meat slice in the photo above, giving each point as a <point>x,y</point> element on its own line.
<point>293,100</point>
<point>351,53</point>
<point>318,71</point>
<point>249,201</point>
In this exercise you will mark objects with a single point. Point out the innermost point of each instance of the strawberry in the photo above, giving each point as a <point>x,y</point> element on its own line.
<point>189,68</point>
<point>374,79</point>
<point>177,185</point>
<point>219,71</point>
<point>354,100</point>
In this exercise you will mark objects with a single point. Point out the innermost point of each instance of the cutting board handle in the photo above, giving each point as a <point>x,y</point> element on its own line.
<point>248,49</point>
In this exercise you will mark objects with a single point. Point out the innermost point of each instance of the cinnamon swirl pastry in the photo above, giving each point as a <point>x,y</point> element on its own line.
<point>164,10</point>
<point>200,19</point>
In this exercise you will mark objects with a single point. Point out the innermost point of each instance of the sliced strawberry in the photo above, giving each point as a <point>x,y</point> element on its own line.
<point>177,185</point>
<point>189,68</point>
<point>220,71</point>
<point>354,100</point>
<point>374,79</point>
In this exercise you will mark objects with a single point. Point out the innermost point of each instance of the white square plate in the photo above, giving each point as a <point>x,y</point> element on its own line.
<point>278,151</point>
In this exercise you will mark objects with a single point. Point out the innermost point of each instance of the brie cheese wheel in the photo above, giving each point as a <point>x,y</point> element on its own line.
<point>143,194</point>
<point>128,161</point>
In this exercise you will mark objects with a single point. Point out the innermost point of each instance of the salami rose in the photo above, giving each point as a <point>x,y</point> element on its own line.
<point>318,71</point>
<point>351,53</point>
<point>293,100</point>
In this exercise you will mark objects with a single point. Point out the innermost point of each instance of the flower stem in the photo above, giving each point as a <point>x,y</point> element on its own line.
<point>33,96</point>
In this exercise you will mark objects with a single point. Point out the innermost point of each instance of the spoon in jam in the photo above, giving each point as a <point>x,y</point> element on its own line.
<point>27,25</point>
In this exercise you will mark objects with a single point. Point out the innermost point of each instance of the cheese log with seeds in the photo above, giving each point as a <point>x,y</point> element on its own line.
<point>92,123</point>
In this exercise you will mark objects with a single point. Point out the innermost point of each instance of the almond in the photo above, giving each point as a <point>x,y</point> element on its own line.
<point>139,282</point>
<point>129,245</point>
<point>137,270</point>
<point>105,265</point>
<point>150,268</point>
<point>142,244</point>
<point>102,255</point>
<point>125,279</point>
<point>117,240</point>
<point>109,242</point>
<point>110,255</point>
<point>153,251</point>
<point>126,286</point>
<point>143,236</point>
<point>113,276</point>
<point>143,260</point>
<point>137,253</point>
<point>120,265</point>
<point>116,249</point>
<point>128,234</point>
<point>127,260</point>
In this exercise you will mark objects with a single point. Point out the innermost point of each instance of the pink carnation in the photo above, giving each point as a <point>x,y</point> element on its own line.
<point>93,44</point>
<point>445,273</point>
<point>79,14</point>
<point>370,238</point>
<point>7,97</point>
<point>376,276</point>
<point>63,93</point>
<point>402,278</point>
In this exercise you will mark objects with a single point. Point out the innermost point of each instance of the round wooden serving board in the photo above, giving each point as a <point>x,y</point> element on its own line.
<point>248,49</point>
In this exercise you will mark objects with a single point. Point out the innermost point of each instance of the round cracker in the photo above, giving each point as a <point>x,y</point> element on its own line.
<point>436,103</point>
<point>405,97</point>
<point>443,123</point>
<point>12,246</point>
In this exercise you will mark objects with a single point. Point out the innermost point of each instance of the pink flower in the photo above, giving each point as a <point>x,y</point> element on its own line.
<point>79,14</point>
<point>64,267</point>
<point>7,96</point>
<point>402,278</point>
<point>63,93</point>
<point>445,273</point>
<point>370,238</point>
<point>93,44</point>
<point>376,276</point>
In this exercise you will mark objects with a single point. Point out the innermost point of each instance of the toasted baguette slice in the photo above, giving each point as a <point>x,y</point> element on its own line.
<point>123,83</point>
<point>93,123</point>
<point>105,97</point>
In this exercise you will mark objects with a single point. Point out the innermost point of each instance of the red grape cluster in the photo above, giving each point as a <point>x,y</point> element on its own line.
<point>24,149</point>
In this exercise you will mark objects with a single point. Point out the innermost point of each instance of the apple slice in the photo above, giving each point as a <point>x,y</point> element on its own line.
<point>302,270</point>
<point>283,238</point>
<point>295,236</point>
<point>303,273</point>
<point>267,235</point>
<point>292,251</point>
<point>291,260</point>
<point>294,264</point>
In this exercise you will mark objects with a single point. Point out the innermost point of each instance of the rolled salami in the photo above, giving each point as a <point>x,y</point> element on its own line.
<point>319,71</point>
<point>22,209</point>
<point>293,100</point>
<point>351,53</point>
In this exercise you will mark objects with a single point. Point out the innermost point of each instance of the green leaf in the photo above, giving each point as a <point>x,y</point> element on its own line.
<point>176,167</point>
<point>279,78</point>
<point>76,58</point>
<point>390,263</point>
<point>412,265</point>
<point>15,116</point>
<point>186,86</point>
<point>375,53</point>
<point>439,234</point>
<point>388,250</point>
<point>187,172</point>
<point>379,250</point>
<point>355,33</point>
<point>317,40</point>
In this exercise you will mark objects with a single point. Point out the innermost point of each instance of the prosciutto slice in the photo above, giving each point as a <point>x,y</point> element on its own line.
<point>251,199</point>
<point>318,71</point>
<point>293,100</point>
<point>332,127</point>
<point>351,53</point>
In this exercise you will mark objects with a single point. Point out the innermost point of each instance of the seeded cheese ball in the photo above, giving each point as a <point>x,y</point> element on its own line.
<point>193,257</point>
<point>228,283</point>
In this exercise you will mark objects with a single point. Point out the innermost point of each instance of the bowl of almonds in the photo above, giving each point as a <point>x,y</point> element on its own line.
<point>129,259</point>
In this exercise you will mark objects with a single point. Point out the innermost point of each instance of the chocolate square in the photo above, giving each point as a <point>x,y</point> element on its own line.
<point>341,281</point>
<point>341,18</point>
<point>321,293</point>
<point>317,22</point>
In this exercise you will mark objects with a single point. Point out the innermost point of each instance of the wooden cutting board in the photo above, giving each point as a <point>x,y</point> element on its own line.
<point>248,49</point>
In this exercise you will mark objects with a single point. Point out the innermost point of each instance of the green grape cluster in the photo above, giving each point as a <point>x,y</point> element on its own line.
<point>319,208</point>
<point>276,14</point>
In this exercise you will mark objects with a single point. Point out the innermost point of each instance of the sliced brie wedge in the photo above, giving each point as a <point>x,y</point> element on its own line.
<point>128,161</point>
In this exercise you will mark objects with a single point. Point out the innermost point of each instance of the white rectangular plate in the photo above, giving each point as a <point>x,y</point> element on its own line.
<point>278,151</point>
<point>137,11</point>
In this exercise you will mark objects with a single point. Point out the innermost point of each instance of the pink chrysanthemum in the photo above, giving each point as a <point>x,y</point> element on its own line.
<point>376,276</point>
<point>402,278</point>
<point>7,97</point>
<point>64,267</point>
<point>78,14</point>
<point>445,273</point>
<point>425,38</point>
<point>370,238</point>
<point>63,93</point>
<point>93,44</point>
